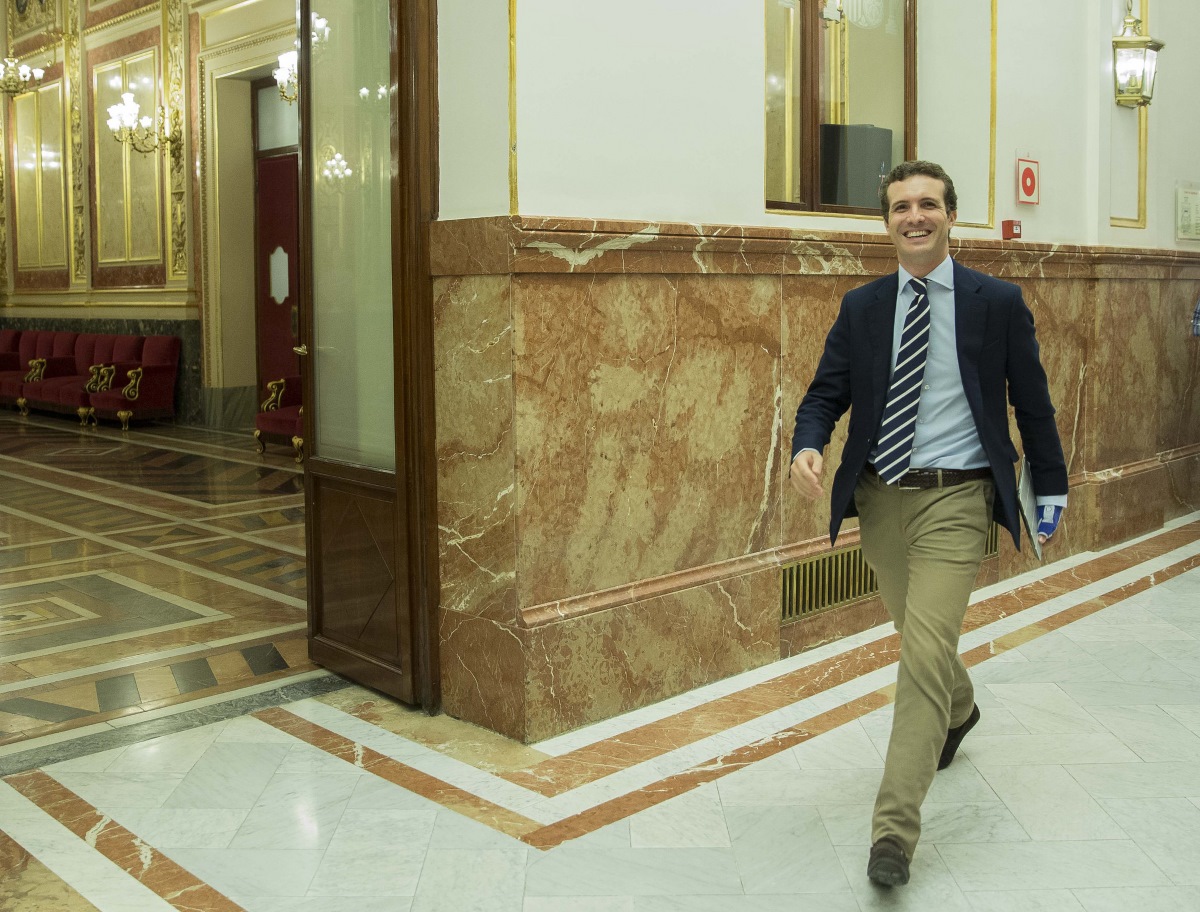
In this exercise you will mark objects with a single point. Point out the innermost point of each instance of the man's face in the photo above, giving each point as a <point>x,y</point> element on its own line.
<point>918,223</point>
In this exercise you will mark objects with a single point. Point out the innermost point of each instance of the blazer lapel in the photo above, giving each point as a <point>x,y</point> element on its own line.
<point>970,325</point>
<point>881,319</point>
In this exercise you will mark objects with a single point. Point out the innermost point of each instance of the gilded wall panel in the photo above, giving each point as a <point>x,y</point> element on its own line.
<point>25,167</point>
<point>27,17</point>
<point>128,204</point>
<point>52,215</point>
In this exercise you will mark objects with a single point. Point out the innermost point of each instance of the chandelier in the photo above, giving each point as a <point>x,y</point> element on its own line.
<point>142,133</point>
<point>16,78</point>
<point>287,76</point>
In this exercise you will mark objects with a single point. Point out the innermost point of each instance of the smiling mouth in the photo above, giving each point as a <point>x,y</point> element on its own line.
<point>917,234</point>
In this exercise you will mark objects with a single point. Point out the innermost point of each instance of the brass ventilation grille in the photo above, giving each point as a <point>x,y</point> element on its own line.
<point>828,581</point>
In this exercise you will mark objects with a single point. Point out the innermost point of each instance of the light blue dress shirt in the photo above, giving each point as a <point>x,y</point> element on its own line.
<point>945,436</point>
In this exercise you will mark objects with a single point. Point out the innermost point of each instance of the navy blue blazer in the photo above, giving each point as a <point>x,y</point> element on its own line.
<point>999,361</point>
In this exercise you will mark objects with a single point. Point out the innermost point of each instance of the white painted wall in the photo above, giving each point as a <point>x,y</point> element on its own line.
<point>473,107</point>
<point>653,109</point>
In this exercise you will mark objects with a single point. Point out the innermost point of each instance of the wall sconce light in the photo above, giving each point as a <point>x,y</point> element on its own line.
<point>142,133</point>
<point>287,76</point>
<point>1135,62</point>
<point>16,78</point>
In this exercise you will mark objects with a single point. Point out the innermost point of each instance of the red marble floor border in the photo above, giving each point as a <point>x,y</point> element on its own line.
<point>27,885</point>
<point>560,774</point>
<point>401,774</point>
<point>158,873</point>
<point>551,835</point>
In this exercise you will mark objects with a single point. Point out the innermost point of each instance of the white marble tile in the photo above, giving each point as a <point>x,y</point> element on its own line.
<point>1186,715</point>
<point>375,794</point>
<point>1137,663</point>
<point>1050,804</point>
<point>581,904</point>
<point>1025,901</point>
<point>961,783</point>
<point>1138,780</point>
<point>614,836</point>
<point>374,853</point>
<point>770,787</point>
<point>464,880</point>
<point>229,775</point>
<point>1166,829</point>
<point>107,887</point>
<point>451,830</point>
<point>110,791</point>
<point>1131,694</point>
<point>566,871</point>
<point>997,750</point>
<point>845,747</point>
<point>98,762</point>
<point>175,753</point>
<point>693,819</point>
<point>1053,647</point>
<point>1140,899</point>
<point>784,849</point>
<point>809,902</point>
<point>1150,732</point>
<point>930,888</point>
<point>1042,671</point>
<point>192,828</point>
<point>1050,865</point>
<point>296,812</point>
<point>1046,708</point>
<point>327,904</point>
<point>959,822</point>
<point>245,873</point>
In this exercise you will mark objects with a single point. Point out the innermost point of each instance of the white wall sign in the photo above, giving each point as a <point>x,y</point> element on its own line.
<point>1187,214</point>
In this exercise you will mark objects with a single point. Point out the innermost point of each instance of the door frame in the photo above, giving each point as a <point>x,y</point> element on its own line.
<point>413,64</point>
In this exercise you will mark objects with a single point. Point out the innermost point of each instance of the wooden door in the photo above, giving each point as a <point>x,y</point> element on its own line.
<point>277,266</point>
<point>368,339</point>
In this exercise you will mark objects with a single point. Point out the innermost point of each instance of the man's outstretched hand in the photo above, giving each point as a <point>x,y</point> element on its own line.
<point>805,474</point>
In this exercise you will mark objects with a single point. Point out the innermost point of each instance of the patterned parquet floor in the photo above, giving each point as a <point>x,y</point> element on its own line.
<point>142,572</point>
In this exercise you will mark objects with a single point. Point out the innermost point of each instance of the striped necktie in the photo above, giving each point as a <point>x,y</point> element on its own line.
<point>899,425</point>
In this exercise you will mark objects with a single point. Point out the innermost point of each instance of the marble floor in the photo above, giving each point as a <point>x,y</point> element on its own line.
<point>165,745</point>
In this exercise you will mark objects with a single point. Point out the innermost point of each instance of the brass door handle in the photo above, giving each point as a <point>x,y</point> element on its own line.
<point>300,349</point>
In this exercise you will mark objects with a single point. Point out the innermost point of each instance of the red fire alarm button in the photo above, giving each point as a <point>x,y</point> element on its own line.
<point>1011,229</point>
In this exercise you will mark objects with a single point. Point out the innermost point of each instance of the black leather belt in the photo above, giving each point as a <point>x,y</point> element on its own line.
<point>920,479</point>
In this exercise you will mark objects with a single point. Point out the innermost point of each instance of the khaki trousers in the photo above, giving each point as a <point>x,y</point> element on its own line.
<point>925,548</point>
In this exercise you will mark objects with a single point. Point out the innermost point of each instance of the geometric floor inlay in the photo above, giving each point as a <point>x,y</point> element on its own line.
<point>88,608</point>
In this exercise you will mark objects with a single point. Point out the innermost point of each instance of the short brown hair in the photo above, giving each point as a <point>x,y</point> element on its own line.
<point>905,170</point>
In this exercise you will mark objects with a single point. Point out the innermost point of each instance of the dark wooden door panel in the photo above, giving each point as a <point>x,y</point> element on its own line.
<point>277,260</point>
<point>360,618</point>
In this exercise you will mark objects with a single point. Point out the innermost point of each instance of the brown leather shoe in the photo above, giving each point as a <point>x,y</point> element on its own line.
<point>888,865</point>
<point>955,736</point>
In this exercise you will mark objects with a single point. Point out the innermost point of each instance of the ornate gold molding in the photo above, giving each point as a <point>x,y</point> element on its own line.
<point>36,16</point>
<point>116,21</point>
<point>173,89</point>
<point>3,206</point>
<point>76,164</point>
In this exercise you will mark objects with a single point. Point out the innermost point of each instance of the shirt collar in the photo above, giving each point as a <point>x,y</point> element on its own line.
<point>942,274</point>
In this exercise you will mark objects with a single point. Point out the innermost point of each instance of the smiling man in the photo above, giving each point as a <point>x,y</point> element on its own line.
<point>927,360</point>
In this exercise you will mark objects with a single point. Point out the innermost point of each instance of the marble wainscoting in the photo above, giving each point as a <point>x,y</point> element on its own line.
<point>615,405</point>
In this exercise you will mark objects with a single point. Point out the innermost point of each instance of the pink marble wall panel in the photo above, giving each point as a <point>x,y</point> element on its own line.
<point>1178,368</point>
<point>1124,374</point>
<point>482,663</point>
<point>1183,496</point>
<point>1062,317</point>
<point>810,306</point>
<point>477,523</point>
<point>607,663</point>
<point>1122,506</point>
<point>647,413</point>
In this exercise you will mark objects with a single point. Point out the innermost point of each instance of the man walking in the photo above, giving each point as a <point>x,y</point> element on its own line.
<point>927,360</point>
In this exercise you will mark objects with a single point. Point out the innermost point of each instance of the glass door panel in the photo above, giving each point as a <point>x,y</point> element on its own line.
<point>351,173</point>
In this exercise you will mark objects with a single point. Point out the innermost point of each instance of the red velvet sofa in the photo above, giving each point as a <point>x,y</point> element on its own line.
<point>92,375</point>
<point>281,416</point>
